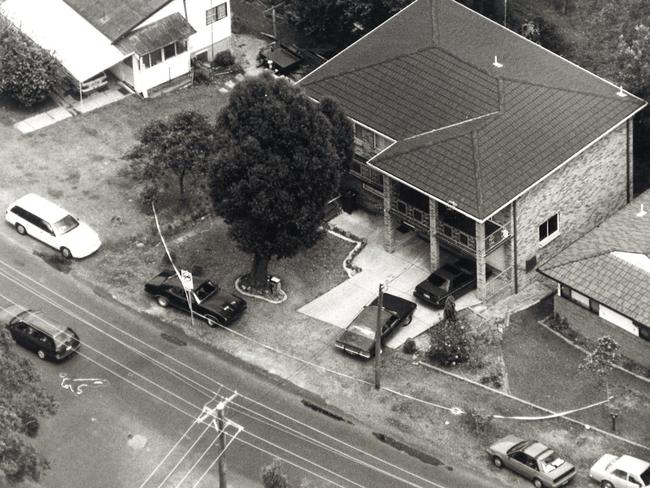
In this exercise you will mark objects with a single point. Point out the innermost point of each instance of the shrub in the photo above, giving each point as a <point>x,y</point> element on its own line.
<point>450,344</point>
<point>410,347</point>
<point>273,476</point>
<point>449,312</point>
<point>148,195</point>
<point>27,72</point>
<point>201,76</point>
<point>477,420</point>
<point>224,59</point>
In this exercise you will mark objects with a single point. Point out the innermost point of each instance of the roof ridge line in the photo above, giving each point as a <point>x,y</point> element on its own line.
<point>455,124</point>
<point>343,73</point>
<point>569,90</point>
<point>592,255</point>
<point>358,40</point>
<point>516,34</point>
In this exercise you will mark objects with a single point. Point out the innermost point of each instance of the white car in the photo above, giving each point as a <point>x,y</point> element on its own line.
<point>43,220</point>
<point>621,472</point>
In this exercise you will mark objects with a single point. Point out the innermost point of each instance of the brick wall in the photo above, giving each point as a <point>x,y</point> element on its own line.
<point>584,192</point>
<point>592,326</point>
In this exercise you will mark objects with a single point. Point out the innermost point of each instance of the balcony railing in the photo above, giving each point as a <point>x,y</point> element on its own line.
<point>496,238</point>
<point>411,213</point>
<point>456,237</point>
<point>363,149</point>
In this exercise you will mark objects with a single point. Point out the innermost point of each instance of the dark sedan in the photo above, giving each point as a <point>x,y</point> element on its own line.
<point>453,279</point>
<point>210,303</point>
<point>359,337</point>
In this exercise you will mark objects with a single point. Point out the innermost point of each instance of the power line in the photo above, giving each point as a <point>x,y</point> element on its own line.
<point>198,408</point>
<point>171,370</point>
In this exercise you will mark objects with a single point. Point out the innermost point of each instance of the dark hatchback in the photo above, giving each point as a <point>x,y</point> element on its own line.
<point>453,279</point>
<point>31,331</point>
<point>359,337</point>
<point>209,302</point>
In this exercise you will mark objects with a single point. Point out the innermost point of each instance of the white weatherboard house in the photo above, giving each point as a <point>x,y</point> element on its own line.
<point>147,44</point>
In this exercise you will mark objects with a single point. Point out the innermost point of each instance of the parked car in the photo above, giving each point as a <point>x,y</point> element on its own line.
<point>209,302</point>
<point>621,472</point>
<point>43,220</point>
<point>30,330</point>
<point>359,337</point>
<point>452,279</point>
<point>532,460</point>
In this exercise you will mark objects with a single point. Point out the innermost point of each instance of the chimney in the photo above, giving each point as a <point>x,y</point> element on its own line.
<point>496,63</point>
<point>641,212</point>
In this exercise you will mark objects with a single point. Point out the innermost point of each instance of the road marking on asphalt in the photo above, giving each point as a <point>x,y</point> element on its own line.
<point>78,385</point>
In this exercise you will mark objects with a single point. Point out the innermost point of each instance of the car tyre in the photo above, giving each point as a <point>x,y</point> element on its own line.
<point>41,354</point>
<point>21,230</point>
<point>163,302</point>
<point>213,322</point>
<point>606,484</point>
<point>496,460</point>
<point>407,320</point>
<point>538,483</point>
<point>65,252</point>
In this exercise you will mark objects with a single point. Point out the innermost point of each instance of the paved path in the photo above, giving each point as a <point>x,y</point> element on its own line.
<point>401,271</point>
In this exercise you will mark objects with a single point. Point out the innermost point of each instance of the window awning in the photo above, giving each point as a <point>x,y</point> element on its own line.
<point>156,35</point>
<point>78,46</point>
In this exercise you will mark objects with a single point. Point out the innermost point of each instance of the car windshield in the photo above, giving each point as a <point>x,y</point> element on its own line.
<point>519,446</point>
<point>548,461</point>
<point>439,281</point>
<point>645,477</point>
<point>363,331</point>
<point>66,224</point>
<point>204,291</point>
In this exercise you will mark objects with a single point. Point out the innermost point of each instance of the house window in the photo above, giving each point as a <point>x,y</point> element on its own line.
<point>216,13</point>
<point>181,46</point>
<point>594,306</point>
<point>381,142</point>
<point>128,61</point>
<point>417,215</point>
<point>549,230</point>
<point>364,135</point>
<point>565,292</point>
<point>152,59</point>
<point>401,207</point>
<point>170,50</point>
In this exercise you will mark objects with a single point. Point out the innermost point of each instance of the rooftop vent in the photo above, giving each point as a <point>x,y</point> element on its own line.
<point>621,93</point>
<point>496,63</point>
<point>452,203</point>
<point>641,212</point>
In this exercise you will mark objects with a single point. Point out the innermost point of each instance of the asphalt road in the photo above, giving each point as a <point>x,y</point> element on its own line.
<point>129,403</point>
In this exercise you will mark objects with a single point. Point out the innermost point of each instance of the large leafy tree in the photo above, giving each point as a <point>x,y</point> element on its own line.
<point>340,21</point>
<point>275,169</point>
<point>181,144</point>
<point>27,72</point>
<point>22,402</point>
<point>342,130</point>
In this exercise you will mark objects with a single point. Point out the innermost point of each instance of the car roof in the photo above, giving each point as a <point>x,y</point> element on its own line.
<point>631,465</point>
<point>35,319</point>
<point>41,207</point>
<point>535,449</point>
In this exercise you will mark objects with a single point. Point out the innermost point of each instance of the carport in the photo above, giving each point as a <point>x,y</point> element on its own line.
<point>82,51</point>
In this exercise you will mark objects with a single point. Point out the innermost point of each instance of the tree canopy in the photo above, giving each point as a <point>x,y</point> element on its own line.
<point>181,144</point>
<point>22,402</point>
<point>341,21</point>
<point>27,72</point>
<point>275,169</point>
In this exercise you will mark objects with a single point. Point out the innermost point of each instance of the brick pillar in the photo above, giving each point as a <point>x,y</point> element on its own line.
<point>389,218</point>
<point>481,280</point>
<point>630,160</point>
<point>509,248</point>
<point>434,245</point>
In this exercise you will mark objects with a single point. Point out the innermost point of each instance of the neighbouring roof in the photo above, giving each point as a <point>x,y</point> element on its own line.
<point>80,48</point>
<point>114,18</point>
<point>590,266</point>
<point>158,34</point>
<point>466,130</point>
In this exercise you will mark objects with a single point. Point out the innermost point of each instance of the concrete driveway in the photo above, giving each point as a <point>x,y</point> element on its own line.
<point>399,271</point>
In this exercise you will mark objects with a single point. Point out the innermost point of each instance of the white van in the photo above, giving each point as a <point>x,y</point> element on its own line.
<point>43,220</point>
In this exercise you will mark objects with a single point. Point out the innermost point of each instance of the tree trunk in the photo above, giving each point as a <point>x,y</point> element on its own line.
<point>259,272</point>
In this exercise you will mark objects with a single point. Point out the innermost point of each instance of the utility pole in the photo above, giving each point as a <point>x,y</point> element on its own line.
<point>380,304</point>
<point>275,29</point>
<point>220,423</point>
<point>505,13</point>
